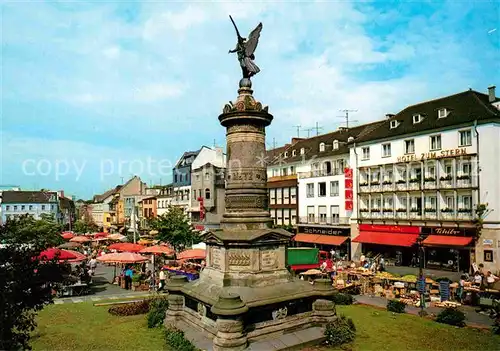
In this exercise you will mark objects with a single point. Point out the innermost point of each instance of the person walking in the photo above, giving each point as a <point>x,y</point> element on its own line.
<point>163,277</point>
<point>128,278</point>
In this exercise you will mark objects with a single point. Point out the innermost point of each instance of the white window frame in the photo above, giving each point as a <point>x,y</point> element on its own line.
<point>365,153</point>
<point>321,147</point>
<point>294,152</point>
<point>438,137</point>
<point>302,151</point>
<point>386,147</point>
<point>335,144</point>
<point>334,188</point>
<point>293,195</point>
<point>417,119</point>
<point>407,143</point>
<point>463,132</point>
<point>394,124</point>
<point>319,189</point>
<point>335,213</point>
<point>322,214</point>
<point>442,113</point>
<point>310,190</point>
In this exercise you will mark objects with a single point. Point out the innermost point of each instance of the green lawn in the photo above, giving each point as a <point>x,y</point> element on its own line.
<point>81,326</point>
<point>382,330</point>
<point>85,327</point>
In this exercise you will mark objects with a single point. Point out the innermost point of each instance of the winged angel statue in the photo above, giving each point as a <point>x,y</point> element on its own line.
<point>245,49</point>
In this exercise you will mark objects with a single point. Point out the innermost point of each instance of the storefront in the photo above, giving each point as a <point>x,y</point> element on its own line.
<point>324,238</point>
<point>397,244</point>
<point>448,249</point>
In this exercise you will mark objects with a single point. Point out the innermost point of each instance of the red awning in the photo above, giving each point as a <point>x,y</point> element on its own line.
<point>446,240</point>
<point>320,239</point>
<point>380,238</point>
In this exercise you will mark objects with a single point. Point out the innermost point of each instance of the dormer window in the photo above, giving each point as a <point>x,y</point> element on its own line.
<point>294,152</point>
<point>321,147</point>
<point>335,144</point>
<point>394,124</point>
<point>286,155</point>
<point>417,119</point>
<point>302,151</point>
<point>442,113</point>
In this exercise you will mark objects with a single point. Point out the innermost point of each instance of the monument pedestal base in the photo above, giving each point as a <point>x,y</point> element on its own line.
<point>246,295</point>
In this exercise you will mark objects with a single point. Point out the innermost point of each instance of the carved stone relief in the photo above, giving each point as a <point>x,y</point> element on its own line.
<point>245,128</point>
<point>202,309</point>
<point>216,257</point>
<point>280,313</point>
<point>269,259</point>
<point>247,175</point>
<point>239,258</point>
<point>246,201</point>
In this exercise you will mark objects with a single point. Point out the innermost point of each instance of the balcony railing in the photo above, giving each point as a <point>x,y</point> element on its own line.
<point>444,182</point>
<point>320,173</point>
<point>324,220</point>
<point>282,178</point>
<point>423,214</point>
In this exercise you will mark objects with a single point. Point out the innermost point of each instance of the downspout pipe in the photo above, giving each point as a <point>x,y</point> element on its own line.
<point>478,168</point>
<point>357,182</point>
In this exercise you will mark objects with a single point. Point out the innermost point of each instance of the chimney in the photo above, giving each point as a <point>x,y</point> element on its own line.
<point>294,140</point>
<point>389,115</point>
<point>491,94</point>
<point>61,193</point>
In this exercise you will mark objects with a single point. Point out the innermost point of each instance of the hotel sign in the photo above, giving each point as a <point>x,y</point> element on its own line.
<point>462,151</point>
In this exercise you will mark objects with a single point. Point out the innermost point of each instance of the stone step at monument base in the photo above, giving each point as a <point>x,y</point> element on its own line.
<point>293,341</point>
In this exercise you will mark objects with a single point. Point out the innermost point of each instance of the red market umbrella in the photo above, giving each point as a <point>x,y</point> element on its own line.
<point>80,239</point>
<point>128,247</point>
<point>99,235</point>
<point>158,249</point>
<point>79,256</point>
<point>192,254</point>
<point>67,235</point>
<point>52,253</point>
<point>69,245</point>
<point>122,257</point>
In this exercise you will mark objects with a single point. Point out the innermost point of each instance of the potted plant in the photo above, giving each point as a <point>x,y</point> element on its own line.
<point>387,210</point>
<point>401,181</point>
<point>401,210</point>
<point>464,177</point>
<point>374,182</point>
<point>430,179</point>
<point>363,210</point>
<point>430,210</point>
<point>136,281</point>
<point>387,182</point>
<point>446,210</point>
<point>446,177</point>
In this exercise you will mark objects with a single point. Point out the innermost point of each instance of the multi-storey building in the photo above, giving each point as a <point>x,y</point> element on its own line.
<point>164,199</point>
<point>101,209</point>
<point>182,181</point>
<point>147,210</point>
<point>34,203</point>
<point>67,211</point>
<point>430,173</point>
<point>282,184</point>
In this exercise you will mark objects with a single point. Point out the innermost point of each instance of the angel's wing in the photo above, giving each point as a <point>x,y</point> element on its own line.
<point>253,40</point>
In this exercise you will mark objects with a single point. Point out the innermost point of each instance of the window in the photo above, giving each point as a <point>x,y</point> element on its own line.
<point>30,207</point>
<point>292,170</point>
<point>322,189</point>
<point>286,154</point>
<point>322,147</point>
<point>7,208</point>
<point>310,190</point>
<point>327,167</point>
<point>15,208</point>
<point>442,113</point>
<point>466,169</point>
<point>388,202</point>
<point>23,207</point>
<point>335,144</point>
<point>43,208</point>
<point>435,142</point>
<point>450,202</point>
<point>465,138</point>
<point>366,153</point>
<point>284,172</point>
<point>293,195</point>
<point>286,195</point>
<point>207,194</point>
<point>431,202</point>
<point>293,216</point>
<point>294,153</point>
<point>322,214</point>
<point>334,188</point>
<point>272,196</point>
<point>207,176</point>
<point>279,196</point>
<point>431,171</point>
<point>310,214</point>
<point>339,166</point>
<point>394,124</point>
<point>467,202</point>
<point>386,150</point>
<point>410,146</point>
<point>448,169</point>
<point>335,213</point>
<point>417,119</point>
<point>302,151</point>
<point>279,216</point>
<point>286,216</point>
<point>275,172</point>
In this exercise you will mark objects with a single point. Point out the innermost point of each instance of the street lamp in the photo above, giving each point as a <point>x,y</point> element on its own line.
<point>421,278</point>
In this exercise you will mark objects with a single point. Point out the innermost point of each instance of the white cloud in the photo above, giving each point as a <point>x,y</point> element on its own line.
<point>154,92</point>
<point>112,52</point>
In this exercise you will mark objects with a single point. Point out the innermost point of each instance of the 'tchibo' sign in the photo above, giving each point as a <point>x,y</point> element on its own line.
<point>435,154</point>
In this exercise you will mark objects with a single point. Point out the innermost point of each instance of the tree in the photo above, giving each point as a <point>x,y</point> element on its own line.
<point>85,226</point>
<point>26,282</point>
<point>174,227</point>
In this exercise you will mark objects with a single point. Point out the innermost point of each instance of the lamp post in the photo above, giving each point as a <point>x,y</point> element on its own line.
<point>421,278</point>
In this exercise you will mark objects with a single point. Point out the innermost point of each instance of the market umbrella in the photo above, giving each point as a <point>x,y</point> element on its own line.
<point>52,253</point>
<point>69,245</point>
<point>99,235</point>
<point>80,239</point>
<point>145,242</point>
<point>192,254</point>
<point>79,256</point>
<point>122,257</point>
<point>67,235</point>
<point>158,249</point>
<point>116,237</point>
<point>100,239</point>
<point>129,247</point>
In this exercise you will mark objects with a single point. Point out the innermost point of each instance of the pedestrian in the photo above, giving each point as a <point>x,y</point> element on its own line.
<point>128,278</point>
<point>93,265</point>
<point>162,280</point>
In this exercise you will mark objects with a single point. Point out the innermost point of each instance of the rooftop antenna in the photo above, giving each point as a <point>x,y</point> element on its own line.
<point>308,130</point>
<point>274,143</point>
<point>298,130</point>
<point>318,128</point>
<point>346,116</point>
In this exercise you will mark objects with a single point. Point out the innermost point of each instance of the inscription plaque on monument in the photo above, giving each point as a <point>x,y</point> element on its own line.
<point>216,257</point>
<point>269,259</point>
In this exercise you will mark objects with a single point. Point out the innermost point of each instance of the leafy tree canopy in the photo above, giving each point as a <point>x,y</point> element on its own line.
<point>174,227</point>
<point>26,282</point>
<point>85,226</point>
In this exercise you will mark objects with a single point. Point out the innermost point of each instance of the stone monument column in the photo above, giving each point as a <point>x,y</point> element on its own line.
<point>246,188</point>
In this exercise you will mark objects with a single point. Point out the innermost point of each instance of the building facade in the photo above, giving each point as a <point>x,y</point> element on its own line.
<point>164,199</point>
<point>147,211</point>
<point>181,175</point>
<point>430,173</point>
<point>33,203</point>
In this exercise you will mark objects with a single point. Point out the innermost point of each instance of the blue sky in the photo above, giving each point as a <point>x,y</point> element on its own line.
<point>96,91</point>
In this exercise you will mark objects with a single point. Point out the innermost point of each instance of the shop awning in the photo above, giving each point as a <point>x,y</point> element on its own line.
<point>381,238</point>
<point>320,239</point>
<point>446,240</point>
